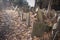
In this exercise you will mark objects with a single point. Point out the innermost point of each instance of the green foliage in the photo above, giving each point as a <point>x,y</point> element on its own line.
<point>20,2</point>
<point>17,1</point>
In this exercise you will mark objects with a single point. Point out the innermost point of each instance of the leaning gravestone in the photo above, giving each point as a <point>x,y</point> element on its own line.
<point>39,29</point>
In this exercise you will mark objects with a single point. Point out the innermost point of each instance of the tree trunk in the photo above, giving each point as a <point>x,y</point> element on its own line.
<point>49,5</point>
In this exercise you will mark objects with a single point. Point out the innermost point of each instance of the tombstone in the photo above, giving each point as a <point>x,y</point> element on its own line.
<point>28,19</point>
<point>39,16</point>
<point>21,15</point>
<point>39,29</point>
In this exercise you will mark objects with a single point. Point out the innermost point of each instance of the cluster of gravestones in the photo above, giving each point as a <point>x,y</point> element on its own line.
<point>16,24</point>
